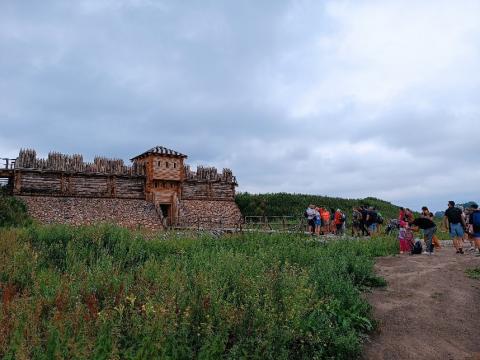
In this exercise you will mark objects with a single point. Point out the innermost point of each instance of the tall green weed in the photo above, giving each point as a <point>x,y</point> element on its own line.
<point>106,292</point>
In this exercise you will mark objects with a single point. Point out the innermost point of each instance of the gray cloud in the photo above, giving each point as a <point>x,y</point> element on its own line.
<point>339,98</point>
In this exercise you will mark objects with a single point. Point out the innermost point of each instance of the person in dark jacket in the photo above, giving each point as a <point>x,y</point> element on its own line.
<point>429,229</point>
<point>475,224</point>
<point>363,220</point>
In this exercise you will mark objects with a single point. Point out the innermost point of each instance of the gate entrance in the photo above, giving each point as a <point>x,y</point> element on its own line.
<point>166,210</point>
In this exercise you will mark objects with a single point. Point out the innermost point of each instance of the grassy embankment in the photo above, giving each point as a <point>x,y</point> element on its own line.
<point>104,292</point>
<point>280,204</point>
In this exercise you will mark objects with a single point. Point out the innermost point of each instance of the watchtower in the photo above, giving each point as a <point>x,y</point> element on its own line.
<point>165,172</point>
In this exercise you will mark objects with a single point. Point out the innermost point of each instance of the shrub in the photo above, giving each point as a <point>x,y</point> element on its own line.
<point>105,292</point>
<point>13,212</point>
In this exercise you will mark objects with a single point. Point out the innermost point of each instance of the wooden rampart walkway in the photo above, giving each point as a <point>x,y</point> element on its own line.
<point>7,167</point>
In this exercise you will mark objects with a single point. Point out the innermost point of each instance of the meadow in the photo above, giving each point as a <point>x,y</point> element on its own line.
<point>103,292</point>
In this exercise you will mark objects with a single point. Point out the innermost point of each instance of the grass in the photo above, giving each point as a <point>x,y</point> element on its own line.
<point>103,292</point>
<point>473,273</point>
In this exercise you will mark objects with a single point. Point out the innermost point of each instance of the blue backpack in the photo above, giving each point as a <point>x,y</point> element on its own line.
<point>476,221</point>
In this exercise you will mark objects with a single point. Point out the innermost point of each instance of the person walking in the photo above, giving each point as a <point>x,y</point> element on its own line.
<point>363,220</point>
<point>318,221</point>
<point>339,219</point>
<point>405,237</point>
<point>356,218</point>
<point>310,215</point>
<point>454,222</point>
<point>468,236</point>
<point>371,220</point>
<point>429,215</point>
<point>429,228</point>
<point>409,215</point>
<point>325,217</point>
<point>380,221</point>
<point>474,220</point>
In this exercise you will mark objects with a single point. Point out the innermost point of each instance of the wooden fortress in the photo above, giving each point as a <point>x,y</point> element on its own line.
<point>159,176</point>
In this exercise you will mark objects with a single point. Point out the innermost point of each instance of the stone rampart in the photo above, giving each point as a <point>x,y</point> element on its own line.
<point>130,213</point>
<point>212,214</point>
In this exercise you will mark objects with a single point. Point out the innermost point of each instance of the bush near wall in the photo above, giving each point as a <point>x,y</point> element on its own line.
<point>105,292</point>
<point>13,212</point>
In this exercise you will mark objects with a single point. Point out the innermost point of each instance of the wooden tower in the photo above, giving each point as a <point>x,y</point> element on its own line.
<point>165,172</point>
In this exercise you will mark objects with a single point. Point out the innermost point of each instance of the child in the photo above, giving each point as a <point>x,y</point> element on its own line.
<point>405,237</point>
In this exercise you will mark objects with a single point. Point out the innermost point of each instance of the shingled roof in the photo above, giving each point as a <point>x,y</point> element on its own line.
<point>159,150</point>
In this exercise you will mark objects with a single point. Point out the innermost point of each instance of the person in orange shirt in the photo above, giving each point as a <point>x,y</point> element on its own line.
<point>339,219</point>
<point>325,215</point>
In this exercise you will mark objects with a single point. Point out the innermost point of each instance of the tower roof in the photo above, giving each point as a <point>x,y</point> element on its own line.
<point>159,150</point>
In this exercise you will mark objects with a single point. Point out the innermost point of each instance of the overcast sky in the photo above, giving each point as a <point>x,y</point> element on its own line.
<point>341,98</point>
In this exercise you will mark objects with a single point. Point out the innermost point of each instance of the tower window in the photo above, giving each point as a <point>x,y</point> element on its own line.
<point>159,163</point>
<point>166,164</point>
<point>174,165</point>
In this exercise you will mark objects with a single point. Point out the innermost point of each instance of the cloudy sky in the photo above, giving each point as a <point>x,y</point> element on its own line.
<point>342,98</point>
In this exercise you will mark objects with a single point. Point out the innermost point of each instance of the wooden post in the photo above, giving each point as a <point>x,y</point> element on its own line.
<point>17,186</point>
<point>113,184</point>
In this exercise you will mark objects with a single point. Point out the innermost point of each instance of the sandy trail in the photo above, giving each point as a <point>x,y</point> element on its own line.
<point>430,309</point>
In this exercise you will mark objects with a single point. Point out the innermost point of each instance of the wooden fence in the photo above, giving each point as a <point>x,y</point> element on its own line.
<point>7,164</point>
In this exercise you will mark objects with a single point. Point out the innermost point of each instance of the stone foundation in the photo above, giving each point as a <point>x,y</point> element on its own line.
<point>128,213</point>
<point>209,214</point>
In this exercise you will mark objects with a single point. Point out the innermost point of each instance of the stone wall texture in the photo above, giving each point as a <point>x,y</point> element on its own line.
<point>211,214</point>
<point>130,213</point>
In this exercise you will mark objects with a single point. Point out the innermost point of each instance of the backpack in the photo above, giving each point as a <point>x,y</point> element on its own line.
<point>476,220</point>
<point>380,219</point>
<point>417,248</point>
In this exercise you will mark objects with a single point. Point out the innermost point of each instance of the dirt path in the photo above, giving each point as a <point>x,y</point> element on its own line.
<point>430,309</point>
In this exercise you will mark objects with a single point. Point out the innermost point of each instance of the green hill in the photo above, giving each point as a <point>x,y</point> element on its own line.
<point>279,204</point>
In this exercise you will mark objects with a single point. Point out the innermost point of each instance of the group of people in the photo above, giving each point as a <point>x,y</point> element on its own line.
<point>462,224</point>
<point>322,221</point>
<point>366,221</point>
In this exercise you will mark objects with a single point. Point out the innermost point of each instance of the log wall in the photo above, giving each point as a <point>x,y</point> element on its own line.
<point>194,190</point>
<point>78,185</point>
